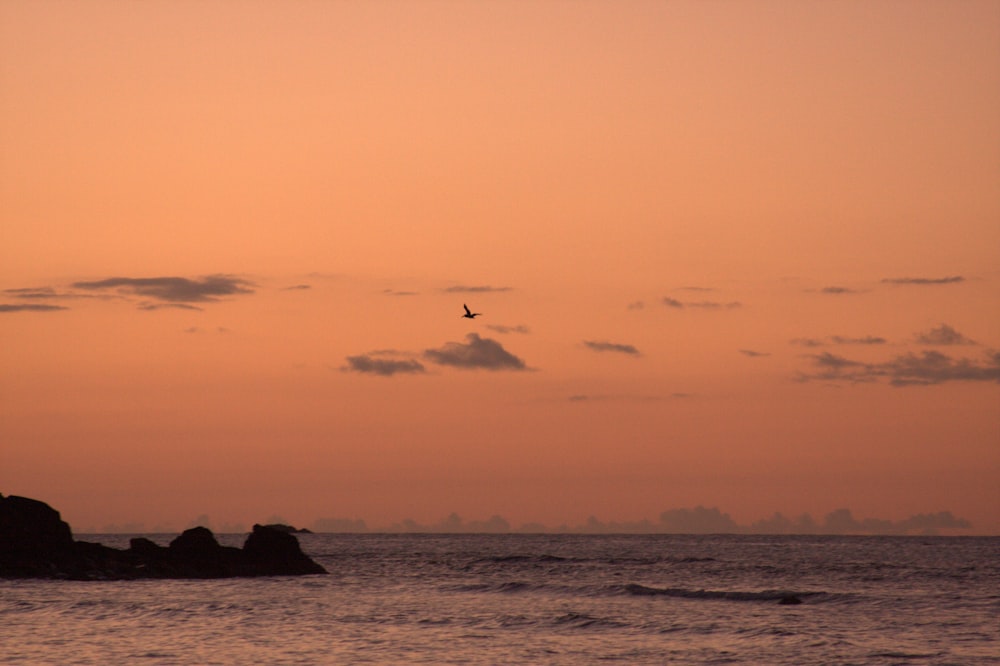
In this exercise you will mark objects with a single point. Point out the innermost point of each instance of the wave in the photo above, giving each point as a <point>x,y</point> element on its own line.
<point>781,596</point>
<point>610,561</point>
<point>636,590</point>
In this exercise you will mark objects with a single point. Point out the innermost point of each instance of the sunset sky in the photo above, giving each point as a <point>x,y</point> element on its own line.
<point>742,255</point>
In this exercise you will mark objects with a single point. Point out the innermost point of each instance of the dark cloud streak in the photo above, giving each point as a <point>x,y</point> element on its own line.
<point>604,346</point>
<point>30,307</point>
<point>707,305</point>
<point>174,289</point>
<point>838,290</point>
<point>368,364</point>
<point>479,289</point>
<point>951,279</point>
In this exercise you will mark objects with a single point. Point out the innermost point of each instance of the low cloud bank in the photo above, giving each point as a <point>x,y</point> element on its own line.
<point>696,520</point>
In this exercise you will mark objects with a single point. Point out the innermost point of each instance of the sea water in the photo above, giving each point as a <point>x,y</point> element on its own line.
<point>537,599</point>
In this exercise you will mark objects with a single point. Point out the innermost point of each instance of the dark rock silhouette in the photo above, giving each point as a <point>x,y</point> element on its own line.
<point>36,543</point>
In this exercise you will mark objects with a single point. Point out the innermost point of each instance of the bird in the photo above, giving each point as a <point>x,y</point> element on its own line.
<point>470,314</point>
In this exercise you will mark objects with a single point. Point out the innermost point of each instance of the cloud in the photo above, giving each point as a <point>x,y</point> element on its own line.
<point>930,522</point>
<point>174,289</point>
<point>866,340</point>
<point>33,292</point>
<point>603,346</point>
<point>838,290</point>
<point>839,340</point>
<point>160,306</point>
<point>297,287</point>
<point>636,305</point>
<point>709,305</point>
<point>842,521</point>
<point>932,367</point>
<point>509,329</point>
<point>393,292</point>
<point>479,289</point>
<point>924,281</point>
<point>477,353</point>
<point>384,367</point>
<point>44,293</point>
<point>699,520</point>
<point>943,335</point>
<point>30,307</point>
<point>753,354</point>
<point>927,368</point>
<point>339,525</point>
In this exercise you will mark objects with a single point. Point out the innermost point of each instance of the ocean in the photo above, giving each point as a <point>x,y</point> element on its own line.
<point>537,599</point>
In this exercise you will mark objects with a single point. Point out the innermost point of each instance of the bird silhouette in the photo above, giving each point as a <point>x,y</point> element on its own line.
<point>470,314</point>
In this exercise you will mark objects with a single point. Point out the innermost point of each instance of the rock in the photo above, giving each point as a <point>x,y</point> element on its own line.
<point>34,540</point>
<point>279,551</point>
<point>36,543</point>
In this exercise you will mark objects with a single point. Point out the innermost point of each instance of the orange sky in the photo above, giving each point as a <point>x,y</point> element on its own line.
<point>743,255</point>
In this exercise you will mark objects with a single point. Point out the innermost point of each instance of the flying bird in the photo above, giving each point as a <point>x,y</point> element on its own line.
<point>470,314</point>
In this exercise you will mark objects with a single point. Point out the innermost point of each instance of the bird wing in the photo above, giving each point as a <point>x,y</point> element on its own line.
<point>467,311</point>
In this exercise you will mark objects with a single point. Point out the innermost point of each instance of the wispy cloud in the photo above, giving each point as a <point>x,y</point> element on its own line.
<point>297,287</point>
<point>926,368</point>
<point>943,335</point>
<point>473,289</point>
<point>636,305</point>
<point>605,346</point>
<point>384,367</point>
<point>34,293</point>
<point>838,290</point>
<point>174,289</point>
<point>753,354</point>
<point>45,293</point>
<point>709,305</point>
<point>394,292</point>
<point>477,353</point>
<point>146,305</point>
<point>499,328</point>
<point>839,340</point>
<point>30,307</point>
<point>924,280</point>
<point>866,340</point>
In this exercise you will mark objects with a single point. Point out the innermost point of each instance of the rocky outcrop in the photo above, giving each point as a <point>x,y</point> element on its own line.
<point>36,543</point>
